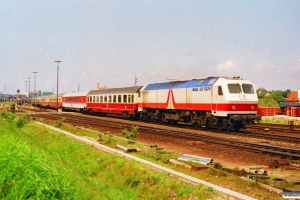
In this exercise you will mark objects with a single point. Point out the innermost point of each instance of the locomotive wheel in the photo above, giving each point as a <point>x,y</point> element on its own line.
<point>196,125</point>
<point>237,128</point>
<point>148,119</point>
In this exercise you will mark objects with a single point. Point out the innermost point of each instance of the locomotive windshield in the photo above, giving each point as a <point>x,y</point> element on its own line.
<point>248,89</point>
<point>234,88</point>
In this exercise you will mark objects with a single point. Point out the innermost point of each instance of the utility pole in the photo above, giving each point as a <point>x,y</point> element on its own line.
<point>29,89</point>
<point>34,90</point>
<point>26,87</point>
<point>57,61</point>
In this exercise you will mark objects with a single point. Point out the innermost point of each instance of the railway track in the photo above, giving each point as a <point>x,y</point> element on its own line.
<point>295,129</point>
<point>82,120</point>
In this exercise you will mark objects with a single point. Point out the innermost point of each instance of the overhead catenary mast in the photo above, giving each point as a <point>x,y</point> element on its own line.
<point>135,80</point>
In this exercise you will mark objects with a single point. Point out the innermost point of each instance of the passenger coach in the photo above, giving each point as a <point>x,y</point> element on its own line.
<point>121,101</point>
<point>75,101</point>
<point>51,101</point>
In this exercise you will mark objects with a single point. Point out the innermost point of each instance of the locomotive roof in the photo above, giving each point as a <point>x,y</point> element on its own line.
<point>134,89</point>
<point>183,84</point>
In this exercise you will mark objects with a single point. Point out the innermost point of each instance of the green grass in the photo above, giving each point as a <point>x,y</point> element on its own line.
<point>36,163</point>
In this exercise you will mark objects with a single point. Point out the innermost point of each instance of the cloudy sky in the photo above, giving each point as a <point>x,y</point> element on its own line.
<point>113,41</point>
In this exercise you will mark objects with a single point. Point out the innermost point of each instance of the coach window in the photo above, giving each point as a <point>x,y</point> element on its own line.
<point>119,98</point>
<point>109,98</point>
<point>93,98</point>
<point>132,98</point>
<point>101,99</point>
<point>115,98</point>
<point>220,91</point>
<point>234,88</point>
<point>105,98</point>
<point>97,100</point>
<point>248,88</point>
<point>129,99</point>
<point>124,98</point>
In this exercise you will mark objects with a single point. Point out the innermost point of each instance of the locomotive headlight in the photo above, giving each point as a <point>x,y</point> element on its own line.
<point>233,108</point>
<point>252,108</point>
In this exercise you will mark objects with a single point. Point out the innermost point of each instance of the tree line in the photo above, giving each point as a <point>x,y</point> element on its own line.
<point>271,98</point>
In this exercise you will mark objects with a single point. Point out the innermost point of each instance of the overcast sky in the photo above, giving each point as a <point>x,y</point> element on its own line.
<point>112,41</point>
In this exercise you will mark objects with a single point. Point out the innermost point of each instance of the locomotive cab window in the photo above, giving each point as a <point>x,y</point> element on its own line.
<point>220,91</point>
<point>248,88</point>
<point>234,88</point>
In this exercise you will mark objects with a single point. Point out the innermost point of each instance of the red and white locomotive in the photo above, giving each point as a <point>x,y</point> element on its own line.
<point>214,102</point>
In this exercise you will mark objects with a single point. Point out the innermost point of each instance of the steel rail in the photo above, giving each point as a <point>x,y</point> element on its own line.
<point>262,148</point>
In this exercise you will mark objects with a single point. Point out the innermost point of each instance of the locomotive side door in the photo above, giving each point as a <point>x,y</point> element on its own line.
<point>214,100</point>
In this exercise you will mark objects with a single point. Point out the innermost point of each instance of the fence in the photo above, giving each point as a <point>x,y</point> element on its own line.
<point>267,111</point>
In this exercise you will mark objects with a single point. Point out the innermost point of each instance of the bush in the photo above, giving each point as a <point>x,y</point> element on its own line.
<point>60,122</point>
<point>22,120</point>
<point>131,134</point>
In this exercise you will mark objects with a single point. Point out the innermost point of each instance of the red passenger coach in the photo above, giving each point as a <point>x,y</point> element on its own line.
<point>74,101</point>
<point>120,101</point>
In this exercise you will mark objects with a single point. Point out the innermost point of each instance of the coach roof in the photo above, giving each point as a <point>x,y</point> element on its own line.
<point>125,90</point>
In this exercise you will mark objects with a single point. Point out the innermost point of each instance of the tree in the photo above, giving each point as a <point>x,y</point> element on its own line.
<point>286,93</point>
<point>261,92</point>
<point>277,96</point>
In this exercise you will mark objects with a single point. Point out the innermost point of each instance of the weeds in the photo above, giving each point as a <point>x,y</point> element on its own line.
<point>131,134</point>
<point>59,122</point>
<point>21,121</point>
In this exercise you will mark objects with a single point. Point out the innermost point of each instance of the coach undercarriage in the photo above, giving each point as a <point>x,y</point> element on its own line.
<point>197,118</point>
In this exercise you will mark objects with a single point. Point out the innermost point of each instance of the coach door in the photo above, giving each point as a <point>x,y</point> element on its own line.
<point>214,100</point>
